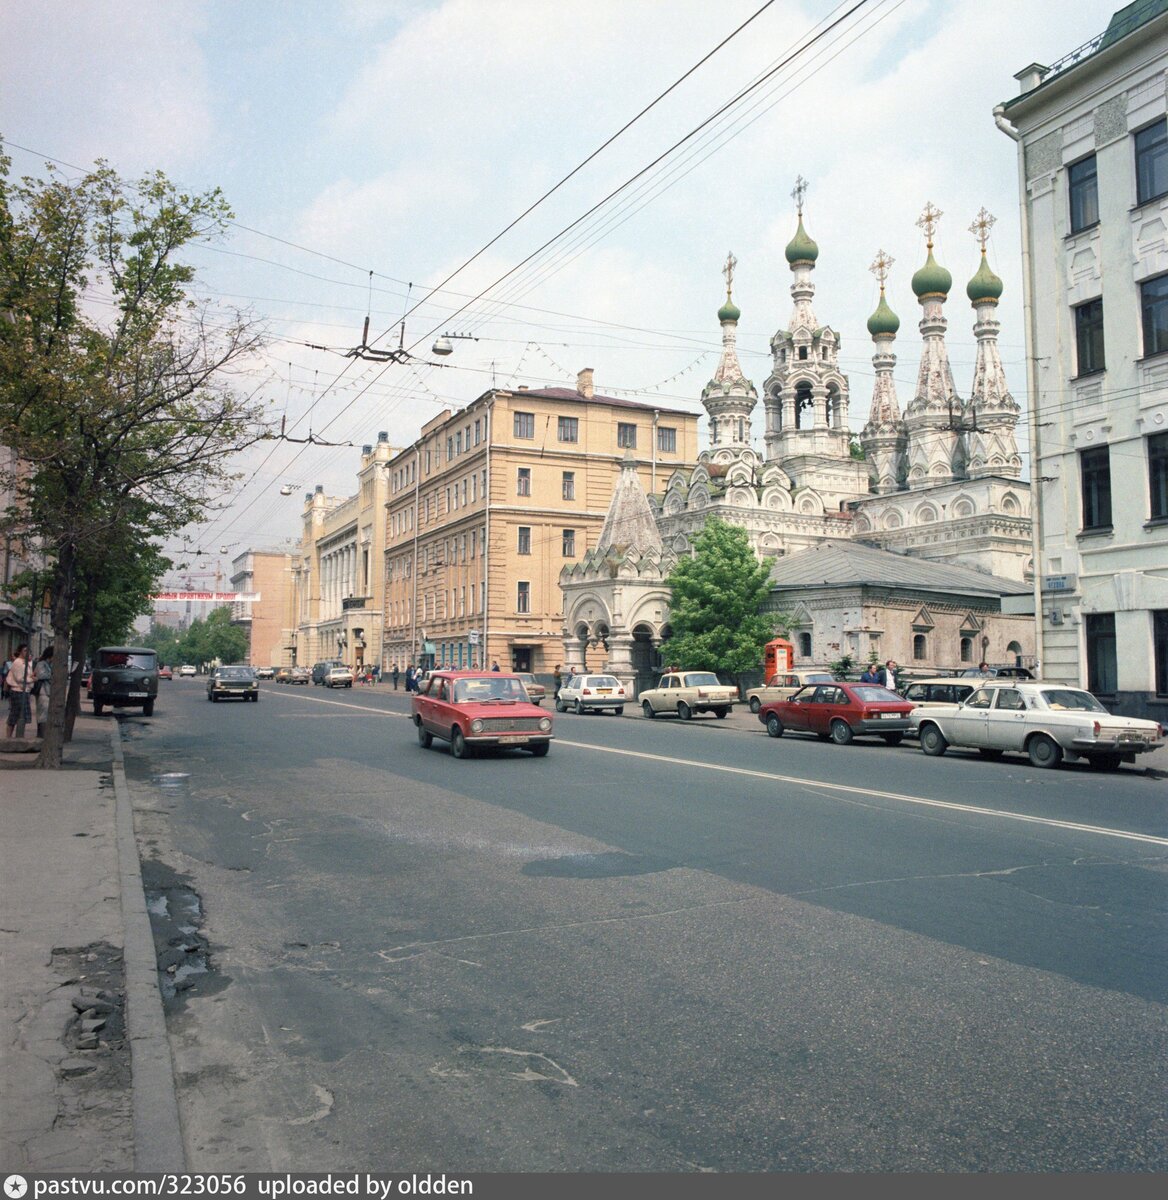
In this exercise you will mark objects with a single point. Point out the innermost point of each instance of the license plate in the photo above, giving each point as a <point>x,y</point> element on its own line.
<point>512,739</point>
<point>890,716</point>
<point>604,691</point>
<point>135,695</point>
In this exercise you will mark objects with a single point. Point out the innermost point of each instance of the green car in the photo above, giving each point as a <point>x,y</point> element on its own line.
<point>124,677</point>
<point>235,681</point>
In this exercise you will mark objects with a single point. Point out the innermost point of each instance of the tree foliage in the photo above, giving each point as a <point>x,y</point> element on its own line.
<point>215,639</point>
<point>116,389</point>
<point>717,613</point>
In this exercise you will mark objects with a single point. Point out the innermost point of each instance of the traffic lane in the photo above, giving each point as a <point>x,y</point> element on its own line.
<point>1081,903</point>
<point>420,975</point>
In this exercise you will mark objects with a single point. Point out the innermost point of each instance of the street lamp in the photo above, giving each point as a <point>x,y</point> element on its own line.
<point>445,344</point>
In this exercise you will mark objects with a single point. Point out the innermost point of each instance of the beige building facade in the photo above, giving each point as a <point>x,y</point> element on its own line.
<point>489,505</point>
<point>266,575</point>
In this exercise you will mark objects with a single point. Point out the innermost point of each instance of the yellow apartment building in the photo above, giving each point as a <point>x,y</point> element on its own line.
<point>492,501</point>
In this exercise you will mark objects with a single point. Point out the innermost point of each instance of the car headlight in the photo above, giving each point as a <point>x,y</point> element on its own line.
<point>476,726</point>
<point>545,724</point>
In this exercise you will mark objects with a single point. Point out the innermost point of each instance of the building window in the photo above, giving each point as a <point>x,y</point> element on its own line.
<point>626,436</point>
<point>523,597</point>
<point>523,482</point>
<point>1154,311</point>
<point>569,543</point>
<point>967,649</point>
<point>524,425</point>
<point>1083,187</point>
<point>524,544</point>
<point>569,485</point>
<point>1160,649</point>
<point>449,448</point>
<point>1089,337</point>
<point>569,429</point>
<point>804,645</point>
<point>1095,469</point>
<point>1101,672</point>
<point>458,443</point>
<point>1158,475</point>
<point>920,647</point>
<point>1152,161</point>
<point>478,431</point>
<point>666,440</point>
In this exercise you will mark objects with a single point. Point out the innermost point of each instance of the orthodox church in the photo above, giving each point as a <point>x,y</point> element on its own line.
<point>938,482</point>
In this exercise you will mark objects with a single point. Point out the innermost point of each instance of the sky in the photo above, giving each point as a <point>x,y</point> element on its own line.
<point>401,137</point>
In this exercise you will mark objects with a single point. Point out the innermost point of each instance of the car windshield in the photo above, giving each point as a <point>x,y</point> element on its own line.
<point>1061,699</point>
<point>487,691</point>
<point>870,693</point>
<point>123,658</point>
<point>701,679</point>
<point>599,681</point>
<point>235,673</point>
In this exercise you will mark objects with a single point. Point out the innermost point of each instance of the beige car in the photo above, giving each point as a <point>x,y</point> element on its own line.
<point>784,685</point>
<point>688,692</point>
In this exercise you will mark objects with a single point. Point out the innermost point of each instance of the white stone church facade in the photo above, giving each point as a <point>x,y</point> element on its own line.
<point>938,482</point>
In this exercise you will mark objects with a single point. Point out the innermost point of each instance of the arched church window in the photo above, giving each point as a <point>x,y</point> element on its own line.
<point>967,649</point>
<point>714,431</point>
<point>920,647</point>
<point>805,645</point>
<point>804,405</point>
<point>741,429</point>
<point>802,353</point>
<point>1014,650</point>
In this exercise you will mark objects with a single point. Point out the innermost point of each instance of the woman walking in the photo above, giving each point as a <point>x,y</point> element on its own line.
<point>42,680</point>
<point>20,680</point>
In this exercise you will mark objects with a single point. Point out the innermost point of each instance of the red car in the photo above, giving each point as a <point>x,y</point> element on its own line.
<point>165,672</point>
<point>475,710</point>
<point>839,711</point>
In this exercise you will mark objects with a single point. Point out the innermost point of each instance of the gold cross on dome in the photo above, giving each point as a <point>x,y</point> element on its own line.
<point>981,226</point>
<point>928,221</point>
<point>799,192</point>
<point>880,265</point>
<point>728,272</point>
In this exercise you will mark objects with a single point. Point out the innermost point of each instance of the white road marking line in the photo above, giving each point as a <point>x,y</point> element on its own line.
<point>802,781</point>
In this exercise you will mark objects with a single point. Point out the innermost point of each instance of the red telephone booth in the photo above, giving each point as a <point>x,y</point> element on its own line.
<point>778,656</point>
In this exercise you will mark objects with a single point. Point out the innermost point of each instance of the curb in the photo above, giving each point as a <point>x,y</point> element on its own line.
<point>158,1144</point>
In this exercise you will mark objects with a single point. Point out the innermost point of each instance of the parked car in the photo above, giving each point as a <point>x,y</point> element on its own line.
<point>265,672</point>
<point>1046,721</point>
<point>338,675</point>
<point>997,673</point>
<point>187,671</point>
<point>165,672</point>
<point>321,669</point>
<point>299,675</point>
<point>841,712</point>
<point>475,710</point>
<point>785,684</point>
<point>236,680</point>
<point>124,677</point>
<point>686,693</point>
<point>943,689</point>
<point>592,693</point>
<point>536,692</point>
<point>283,674</point>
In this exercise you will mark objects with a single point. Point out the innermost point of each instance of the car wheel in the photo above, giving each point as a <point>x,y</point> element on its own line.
<point>559,707</point>
<point>148,708</point>
<point>255,699</point>
<point>579,709</point>
<point>683,710</point>
<point>893,739</point>
<point>755,705</point>
<point>774,726</point>
<point>97,707</point>
<point>647,710</point>
<point>933,741</point>
<point>841,732</point>
<point>618,711</point>
<point>425,738</point>
<point>541,750</point>
<point>721,713</point>
<point>993,755</point>
<point>1044,751</point>
<point>1105,762</point>
<point>458,746</point>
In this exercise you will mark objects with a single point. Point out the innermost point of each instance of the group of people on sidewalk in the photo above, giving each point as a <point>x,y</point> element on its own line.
<point>22,681</point>
<point>882,673</point>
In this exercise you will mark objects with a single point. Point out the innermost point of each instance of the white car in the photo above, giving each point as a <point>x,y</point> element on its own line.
<point>186,671</point>
<point>592,693</point>
<point>689,692</point>
<point>1046,721</point>
<point>784,685</point>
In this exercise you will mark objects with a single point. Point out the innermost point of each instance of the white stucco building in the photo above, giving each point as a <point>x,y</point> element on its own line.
<point>1092,139</point>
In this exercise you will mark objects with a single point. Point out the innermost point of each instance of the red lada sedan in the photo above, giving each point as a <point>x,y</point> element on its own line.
<point>841,712</point>
<point>479,709</point>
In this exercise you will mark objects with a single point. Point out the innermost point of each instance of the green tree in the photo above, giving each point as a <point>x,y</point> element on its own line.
<point>216,639</point>
<point>717,611</point>
<point>112,387</point>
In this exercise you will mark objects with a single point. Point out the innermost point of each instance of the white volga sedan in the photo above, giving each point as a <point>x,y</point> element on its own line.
<point>1046,721</point>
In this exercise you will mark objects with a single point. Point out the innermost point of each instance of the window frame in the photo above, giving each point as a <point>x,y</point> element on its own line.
<point>1157,453</point>
<point>568,543</point>
<point>626,435</point>
<point>1158,304</point>
<point>1078,192</point>
<point>523,425</point>
<point>523,481</point>
<point>666,439</point>
<point>1089,338</point>
<point>1095,488</point>
<point>523,596</point>
<point>1153,155</point>
<point>568,485</point>
<point>568,429</point>
<point>1160,651</point>
<point>1100,645</point>
<point>523,539</point>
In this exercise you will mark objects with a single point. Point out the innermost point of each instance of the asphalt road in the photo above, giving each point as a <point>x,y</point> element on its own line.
<point>666,947</point>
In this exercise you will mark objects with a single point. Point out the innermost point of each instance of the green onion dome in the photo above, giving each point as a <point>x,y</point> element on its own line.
<point>932,279</point>
<point>985,285</point>
<point>801,248</point>
<point>883,322</point>
<point>729,311</point>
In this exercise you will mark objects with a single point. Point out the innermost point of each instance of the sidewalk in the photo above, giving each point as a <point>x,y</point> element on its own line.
<point>85,1071</point>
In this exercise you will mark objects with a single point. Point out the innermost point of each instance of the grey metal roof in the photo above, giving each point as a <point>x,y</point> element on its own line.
<point>838,563</point>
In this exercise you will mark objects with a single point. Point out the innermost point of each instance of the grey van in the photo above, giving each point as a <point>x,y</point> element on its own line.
<point>321,670</point>
<point>124,677</point>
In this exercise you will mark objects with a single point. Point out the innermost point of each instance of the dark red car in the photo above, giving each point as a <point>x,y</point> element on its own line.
<point>839,711</point>
<point>477,710</point>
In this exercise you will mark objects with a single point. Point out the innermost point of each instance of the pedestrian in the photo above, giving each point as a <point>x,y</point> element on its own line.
<point>869,675</point>
<point>886,675</point>
<point>376,673</point>
<point>411,678</point>
<point>396,677</point>
<point>20,681</point>
<point>42,679</point>
<point>557,679</point>
<point>495,665</point>
<point>4,678</point>
<point>983,668</point>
